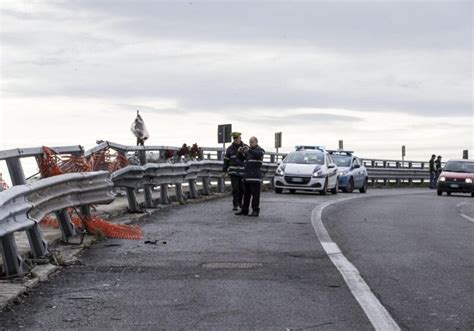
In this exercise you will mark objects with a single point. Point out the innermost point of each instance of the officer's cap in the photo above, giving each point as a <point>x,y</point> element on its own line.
<point>236,134</point>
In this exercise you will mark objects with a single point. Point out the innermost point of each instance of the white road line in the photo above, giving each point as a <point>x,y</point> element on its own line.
<point>466,217</point>
<point>375,311</point>
<point>461,204</point>
<point>461,213</point>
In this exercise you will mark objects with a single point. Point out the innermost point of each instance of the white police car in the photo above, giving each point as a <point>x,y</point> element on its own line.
<point>309,168</point>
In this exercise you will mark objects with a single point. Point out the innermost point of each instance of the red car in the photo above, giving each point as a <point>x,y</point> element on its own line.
<point>457,176</point>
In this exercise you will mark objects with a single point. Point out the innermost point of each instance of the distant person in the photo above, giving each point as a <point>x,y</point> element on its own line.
<point>234,166</point>
<point>252,177</point>
<point>439,169</point>
<point>432,172</point>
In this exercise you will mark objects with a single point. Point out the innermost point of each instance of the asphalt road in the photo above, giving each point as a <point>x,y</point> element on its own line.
<point>212,269</point>
<point>416,254</point>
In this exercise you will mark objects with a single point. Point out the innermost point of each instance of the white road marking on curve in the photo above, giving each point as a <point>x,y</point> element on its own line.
<point>466,217</point>
<point>375,311</point>
<point>461,213</point>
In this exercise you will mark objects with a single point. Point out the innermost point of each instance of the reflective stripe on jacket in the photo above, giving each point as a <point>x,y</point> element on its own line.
<point>253,165</point>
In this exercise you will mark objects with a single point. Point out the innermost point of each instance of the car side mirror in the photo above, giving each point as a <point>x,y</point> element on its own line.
<point>331,165</point>
<point>356,166</point>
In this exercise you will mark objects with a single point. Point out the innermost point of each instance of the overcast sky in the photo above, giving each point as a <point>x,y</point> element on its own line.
<point>377,74</point>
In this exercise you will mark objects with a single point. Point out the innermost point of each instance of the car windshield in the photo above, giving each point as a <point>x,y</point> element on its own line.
<point>456,166</point>
<point>342,160</point>
<point>307,157</point>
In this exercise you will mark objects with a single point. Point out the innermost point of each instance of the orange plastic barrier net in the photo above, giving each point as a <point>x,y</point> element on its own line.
<point>51,164</point>
<point>97,224</point>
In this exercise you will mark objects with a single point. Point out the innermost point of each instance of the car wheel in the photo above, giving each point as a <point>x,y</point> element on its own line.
<point>325,188</point>
<point>363,189</point>
<point>448,193</point>
<point>278,190</point>
<point>336,187</point>
<point>292,191</point>
<point>440,192</point>
<point>350,186</point>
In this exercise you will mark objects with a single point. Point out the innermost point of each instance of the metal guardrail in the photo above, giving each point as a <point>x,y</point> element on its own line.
<point>165,174</point>
<point>23,207</point>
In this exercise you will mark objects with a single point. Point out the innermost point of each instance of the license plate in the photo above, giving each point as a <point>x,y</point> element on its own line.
<point>297,180</point>
<point>454,185</point>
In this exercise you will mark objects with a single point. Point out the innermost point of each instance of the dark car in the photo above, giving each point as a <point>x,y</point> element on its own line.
<point>457,176</point>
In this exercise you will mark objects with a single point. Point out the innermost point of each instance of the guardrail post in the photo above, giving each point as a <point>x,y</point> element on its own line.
<point>179,193</point>
<point>65,224</point>
<point>220,181</point>
<point>205,186</point>
<point>272,158</point>
<point>133,206</point>
<point>193,194</point>
<point>12,262</point>
<point>15,170</point>
<point>86,211</point>
<point>164,198</point>
<point>149,202</point>
<point>39,246</point>
<point>37,243</point>
<point>147,189</point>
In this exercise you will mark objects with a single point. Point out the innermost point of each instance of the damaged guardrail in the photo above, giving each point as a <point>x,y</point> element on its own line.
<point>24,205</point>
<point>22,208</point>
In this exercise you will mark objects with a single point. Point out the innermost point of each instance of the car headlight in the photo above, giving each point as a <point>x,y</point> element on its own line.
<point>280,172</point>
<point>469,180</point>
<point>442,179</point>
<point>318,173</point>
<point>343,173</point>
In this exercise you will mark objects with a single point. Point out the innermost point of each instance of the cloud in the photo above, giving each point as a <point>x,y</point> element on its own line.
<point>342,25</point>
<point>398,63</point>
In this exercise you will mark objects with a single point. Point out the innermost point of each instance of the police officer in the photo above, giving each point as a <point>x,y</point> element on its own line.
<point>438,166</point>
<point>432,172</point>
<point>234,166</point>
<point>252,177</point>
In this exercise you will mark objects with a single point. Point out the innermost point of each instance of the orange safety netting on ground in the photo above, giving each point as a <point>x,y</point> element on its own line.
<point>97,224</point>
<point>50,164</point>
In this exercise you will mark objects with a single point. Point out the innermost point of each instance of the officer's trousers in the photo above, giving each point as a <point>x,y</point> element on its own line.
<point>251,192</point>
<point>433,179</point>
<point>237,190</point>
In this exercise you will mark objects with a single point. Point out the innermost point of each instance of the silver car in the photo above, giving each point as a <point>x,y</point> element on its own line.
<point>307,170</point>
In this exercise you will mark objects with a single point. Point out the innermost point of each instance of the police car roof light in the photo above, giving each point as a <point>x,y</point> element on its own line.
<point>340,152</point>
<point>310,147</point>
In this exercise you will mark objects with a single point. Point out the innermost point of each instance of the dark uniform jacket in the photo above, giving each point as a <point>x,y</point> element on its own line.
<point>253,165</point>
<point>234,160</point>
<point>432,165</point>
